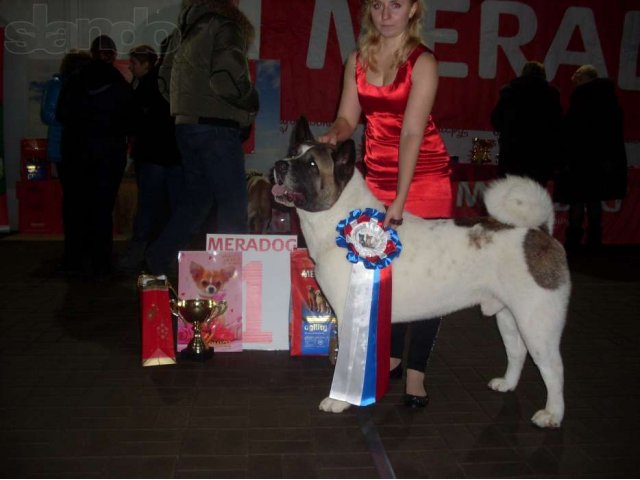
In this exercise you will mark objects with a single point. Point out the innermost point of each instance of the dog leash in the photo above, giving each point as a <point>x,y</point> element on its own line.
<point>374,444</point>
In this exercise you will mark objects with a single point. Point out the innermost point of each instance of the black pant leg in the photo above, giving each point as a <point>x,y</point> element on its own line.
<point>398,335</point>
<point>422,337</point>
<point>594,222</point>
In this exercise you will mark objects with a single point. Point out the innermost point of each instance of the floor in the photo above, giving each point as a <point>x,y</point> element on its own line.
<point>76,402</point>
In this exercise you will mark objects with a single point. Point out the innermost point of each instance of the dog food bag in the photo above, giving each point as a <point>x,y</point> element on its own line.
<point>158,347</point>
<point>213,276</point>
<point>312,320</point>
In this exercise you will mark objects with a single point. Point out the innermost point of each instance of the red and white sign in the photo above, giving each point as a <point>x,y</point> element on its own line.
<point>266,286</point>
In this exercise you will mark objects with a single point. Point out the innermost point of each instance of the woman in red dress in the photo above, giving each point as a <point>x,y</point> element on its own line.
<point>392,80</point>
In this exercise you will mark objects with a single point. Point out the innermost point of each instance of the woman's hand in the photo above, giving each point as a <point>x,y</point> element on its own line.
<point>329,137</point>
<point>393,217</point>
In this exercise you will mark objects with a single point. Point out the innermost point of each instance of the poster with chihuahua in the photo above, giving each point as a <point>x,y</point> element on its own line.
<point>213,276</point>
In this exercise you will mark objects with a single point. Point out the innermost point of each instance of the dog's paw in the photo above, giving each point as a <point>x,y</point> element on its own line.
<point>546,419</point>
<point>500,385</point>
<point>334,406</point>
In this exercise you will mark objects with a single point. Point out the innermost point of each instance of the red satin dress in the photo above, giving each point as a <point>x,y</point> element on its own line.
<point>430,194</point>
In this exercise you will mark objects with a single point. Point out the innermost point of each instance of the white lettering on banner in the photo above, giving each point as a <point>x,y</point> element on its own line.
<point>56,37</point>
<point>435,35</point>
<point>490,40</point>
<point>628,78</point>
<point>323,12</point>
<point>582,19</point>
<point>467,196</point>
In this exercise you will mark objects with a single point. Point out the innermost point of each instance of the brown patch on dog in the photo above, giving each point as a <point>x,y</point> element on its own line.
<point>546,260</point>
<point>481,229</point>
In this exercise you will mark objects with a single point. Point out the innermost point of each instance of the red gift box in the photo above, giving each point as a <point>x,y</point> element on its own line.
<point>158,347</point>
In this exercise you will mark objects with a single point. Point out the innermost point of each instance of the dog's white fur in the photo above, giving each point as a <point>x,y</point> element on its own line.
<point>444,267</point>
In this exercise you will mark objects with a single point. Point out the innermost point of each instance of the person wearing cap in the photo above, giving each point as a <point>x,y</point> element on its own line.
<point>95,109</point>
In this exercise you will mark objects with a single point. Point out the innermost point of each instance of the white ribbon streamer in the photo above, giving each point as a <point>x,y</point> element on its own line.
<point>353,331</point>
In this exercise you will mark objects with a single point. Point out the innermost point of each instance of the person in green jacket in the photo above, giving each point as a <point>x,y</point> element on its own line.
<point>214,101</point>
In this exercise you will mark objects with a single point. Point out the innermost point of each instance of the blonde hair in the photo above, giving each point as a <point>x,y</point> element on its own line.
<point>369,40</point>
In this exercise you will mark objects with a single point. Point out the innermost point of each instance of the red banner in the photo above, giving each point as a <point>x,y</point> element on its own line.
<point>480,46</point>
<point>620,219</point>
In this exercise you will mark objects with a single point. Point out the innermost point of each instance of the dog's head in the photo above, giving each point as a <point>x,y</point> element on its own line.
<point>314,174</point>
<point>210,282</point>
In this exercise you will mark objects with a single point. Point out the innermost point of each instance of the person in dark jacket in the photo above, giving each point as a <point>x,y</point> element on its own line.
<point>595,161</point>
<point>155,155</point>
<point>527,118</point>
<point>71,63</point>
<point>95,109</point>
<point>213,101</point>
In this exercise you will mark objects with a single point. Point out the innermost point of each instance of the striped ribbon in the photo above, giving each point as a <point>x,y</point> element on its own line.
<point>361,375</point>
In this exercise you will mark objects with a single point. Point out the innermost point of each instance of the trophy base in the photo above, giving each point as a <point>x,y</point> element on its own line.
<point>193,356</point>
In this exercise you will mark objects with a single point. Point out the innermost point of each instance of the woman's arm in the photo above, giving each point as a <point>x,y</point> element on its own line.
<point>349,110</point>
<point>421,98</point>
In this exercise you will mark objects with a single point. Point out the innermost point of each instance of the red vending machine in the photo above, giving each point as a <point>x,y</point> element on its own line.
<point>39,196</point>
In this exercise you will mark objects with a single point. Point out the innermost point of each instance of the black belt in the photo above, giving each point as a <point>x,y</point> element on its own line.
<point>218,122</point>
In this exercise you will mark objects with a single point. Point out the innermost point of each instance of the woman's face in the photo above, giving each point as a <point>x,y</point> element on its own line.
<point>391,17</point>
<point>138,69</point>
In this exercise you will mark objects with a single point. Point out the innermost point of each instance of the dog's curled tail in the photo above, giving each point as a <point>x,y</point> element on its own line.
<point>520,202</point>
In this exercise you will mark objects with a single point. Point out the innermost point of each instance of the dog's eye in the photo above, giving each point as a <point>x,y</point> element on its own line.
<point>313,164</point>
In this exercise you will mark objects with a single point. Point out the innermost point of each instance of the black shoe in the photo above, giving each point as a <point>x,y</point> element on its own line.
<point>415,401</point>
<point>396,373</point>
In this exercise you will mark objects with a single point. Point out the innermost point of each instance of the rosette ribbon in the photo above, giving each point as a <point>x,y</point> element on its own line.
<point>361,374</point>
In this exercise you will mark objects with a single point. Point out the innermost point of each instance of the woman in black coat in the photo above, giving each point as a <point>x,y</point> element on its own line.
<point>595,160</point>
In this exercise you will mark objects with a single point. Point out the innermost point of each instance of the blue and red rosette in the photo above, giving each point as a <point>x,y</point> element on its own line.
<point>363,235</point>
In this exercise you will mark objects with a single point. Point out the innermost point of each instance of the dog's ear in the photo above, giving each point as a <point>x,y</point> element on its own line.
<point>301,134</point>
<point>196,270</point>
<point>344,161</point>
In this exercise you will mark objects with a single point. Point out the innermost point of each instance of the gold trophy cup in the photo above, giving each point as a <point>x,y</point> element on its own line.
<point>198,312</point>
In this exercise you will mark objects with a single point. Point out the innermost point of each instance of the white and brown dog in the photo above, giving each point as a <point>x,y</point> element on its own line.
<point>507,263</point>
